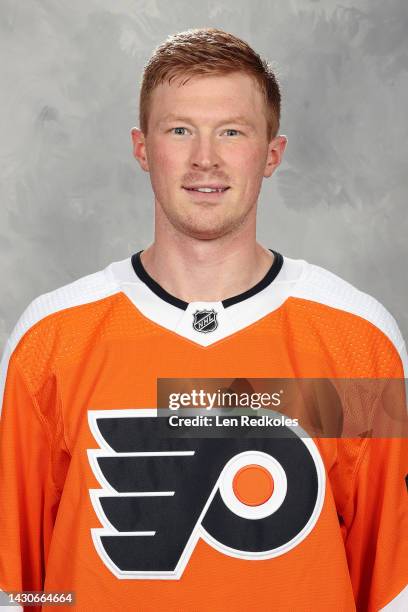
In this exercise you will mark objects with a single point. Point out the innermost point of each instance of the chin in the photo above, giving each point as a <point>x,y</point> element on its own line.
<point>206,235</point>
<point>205,224</point>
<point>207,231</point>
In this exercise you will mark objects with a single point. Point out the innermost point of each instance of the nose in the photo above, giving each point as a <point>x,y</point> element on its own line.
<point>204,153</point>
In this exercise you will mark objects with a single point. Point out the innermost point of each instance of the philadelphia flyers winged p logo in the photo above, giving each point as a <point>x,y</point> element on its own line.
<point>159,494</point>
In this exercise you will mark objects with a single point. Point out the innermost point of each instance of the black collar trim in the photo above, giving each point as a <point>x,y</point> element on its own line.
<point>171,299</point>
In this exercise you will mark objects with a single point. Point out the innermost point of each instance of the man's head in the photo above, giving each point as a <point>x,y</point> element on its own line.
<point>209,118</point>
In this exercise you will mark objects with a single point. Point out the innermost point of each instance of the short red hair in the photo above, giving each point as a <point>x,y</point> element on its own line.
<point>208,51</point>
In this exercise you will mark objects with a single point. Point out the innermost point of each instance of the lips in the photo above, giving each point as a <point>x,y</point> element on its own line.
<point>206,188</point>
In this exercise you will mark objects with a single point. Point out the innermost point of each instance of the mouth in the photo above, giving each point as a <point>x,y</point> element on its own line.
<point>206,191</point>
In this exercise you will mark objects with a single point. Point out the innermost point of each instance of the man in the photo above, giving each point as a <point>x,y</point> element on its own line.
<point>97,496</point>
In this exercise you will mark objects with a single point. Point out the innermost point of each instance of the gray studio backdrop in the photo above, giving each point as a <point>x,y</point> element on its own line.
<point>73,199</point>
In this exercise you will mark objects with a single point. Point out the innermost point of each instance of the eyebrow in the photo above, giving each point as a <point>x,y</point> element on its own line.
<point>239,119</point>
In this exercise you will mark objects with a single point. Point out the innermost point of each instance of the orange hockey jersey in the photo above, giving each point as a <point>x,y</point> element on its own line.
<point>96,500</point>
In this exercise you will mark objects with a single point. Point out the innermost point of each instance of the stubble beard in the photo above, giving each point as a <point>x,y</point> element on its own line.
<point>206,223</point>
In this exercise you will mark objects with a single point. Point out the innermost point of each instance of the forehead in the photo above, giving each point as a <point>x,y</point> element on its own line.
<point>208,98</point>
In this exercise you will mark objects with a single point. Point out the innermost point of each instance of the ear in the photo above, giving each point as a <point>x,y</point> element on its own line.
<point>276,149</point>
<point>139,148</point>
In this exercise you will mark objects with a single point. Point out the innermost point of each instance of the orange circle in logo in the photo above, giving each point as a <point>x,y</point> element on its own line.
<point>253,485</point>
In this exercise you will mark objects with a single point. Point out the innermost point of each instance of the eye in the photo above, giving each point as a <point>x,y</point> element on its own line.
<point>235,132</point>
<point>178,131</point>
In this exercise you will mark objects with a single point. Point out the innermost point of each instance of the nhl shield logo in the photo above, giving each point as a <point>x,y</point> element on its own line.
<point>205,321</point>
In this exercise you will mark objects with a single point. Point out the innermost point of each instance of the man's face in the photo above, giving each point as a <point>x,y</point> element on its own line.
<point>210,133</point>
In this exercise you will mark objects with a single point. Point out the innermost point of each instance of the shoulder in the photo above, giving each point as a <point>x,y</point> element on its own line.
<point>60,326</point>
<point>319,285</point>
<point>351,311</point>
<point>63,301</point>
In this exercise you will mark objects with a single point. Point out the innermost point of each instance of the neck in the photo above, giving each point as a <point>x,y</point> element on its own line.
<point>206,270</point>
